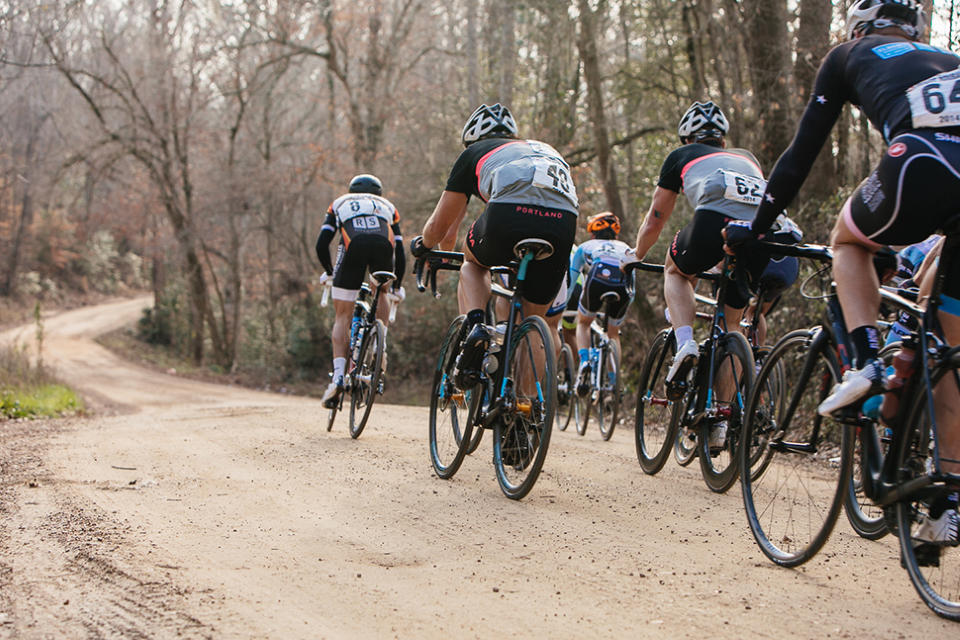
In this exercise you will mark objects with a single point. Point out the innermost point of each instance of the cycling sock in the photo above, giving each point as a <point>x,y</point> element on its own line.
<point>476,317</point>
<point>866,344</point>
<point>339,364</point>
<point>683,333</point>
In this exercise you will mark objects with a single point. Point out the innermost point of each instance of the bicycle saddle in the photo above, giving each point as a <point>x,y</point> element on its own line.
<point>383,277</point>
<point>540,249</point>
<point>612,296</point>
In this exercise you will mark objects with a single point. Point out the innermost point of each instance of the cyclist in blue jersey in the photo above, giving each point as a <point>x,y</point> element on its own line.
<point>598,261</point>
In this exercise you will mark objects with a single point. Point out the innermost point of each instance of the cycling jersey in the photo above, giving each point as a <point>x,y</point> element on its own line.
<point>599,259</point>
<point>727,181</point>
<point>910,258</point>
<point>526,172</point>
<point>370,238</point>
<point>883,75</point>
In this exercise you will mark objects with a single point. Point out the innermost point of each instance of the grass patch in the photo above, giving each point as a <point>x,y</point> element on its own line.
<point>30,390</point>
<point>44,401</point>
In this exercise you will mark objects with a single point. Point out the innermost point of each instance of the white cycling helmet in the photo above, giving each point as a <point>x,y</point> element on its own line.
<point>703,120</point>
<point>866,15</point>
<point>489,122</point>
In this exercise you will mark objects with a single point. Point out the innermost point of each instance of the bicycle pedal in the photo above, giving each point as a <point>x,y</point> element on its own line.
<point>676,390</point>
<point>524,406</point>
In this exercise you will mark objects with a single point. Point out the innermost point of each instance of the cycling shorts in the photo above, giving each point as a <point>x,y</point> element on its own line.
<point>913,190</point>
<point>369,251</point>
<point>559,304</point>
<point>780,274</point>
<point>605,278</point>
<point>501,226</point>
<point>699,246</point>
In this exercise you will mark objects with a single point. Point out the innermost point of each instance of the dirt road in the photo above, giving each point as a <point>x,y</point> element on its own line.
<point>186,510</point>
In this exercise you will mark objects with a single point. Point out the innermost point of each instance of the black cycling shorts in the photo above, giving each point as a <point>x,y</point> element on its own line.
<point>699,246</point>
<point>912,192</point>
<point>501,226</point>
<point>366,251</point>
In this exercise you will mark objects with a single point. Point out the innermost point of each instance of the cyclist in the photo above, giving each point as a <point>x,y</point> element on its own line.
<point>370,238</point>
<point>722,185</point>
<point>905,88</point>
<point>598,260</point>
<point>528,193</point>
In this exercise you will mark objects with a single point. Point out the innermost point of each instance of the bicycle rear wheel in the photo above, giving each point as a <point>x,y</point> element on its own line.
<point>450,409</point>
<point>583,407</point>
<point>366,377</point>
<point>793,503</point>
<point>522,436</point>
<point>331,416</point>
<point>608,402</point>
<point>656,415</point>
<point>566,381</point>
<point>770,404</point>
<point>733,378</point>
<point>934,570</point>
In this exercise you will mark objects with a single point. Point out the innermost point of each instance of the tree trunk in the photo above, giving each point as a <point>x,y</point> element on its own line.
<point>768,49</point>
<point>813,43</point>
<point>508,56</point>
<point>691,32</point>
<point>587,45</point>
<point>473,86</point>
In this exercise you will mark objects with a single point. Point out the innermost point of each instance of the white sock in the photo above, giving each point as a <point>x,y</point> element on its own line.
<point>339,365</point>
<point>683,333</point>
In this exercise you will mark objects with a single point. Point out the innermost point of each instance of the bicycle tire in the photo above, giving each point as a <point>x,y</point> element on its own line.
<point>331,416</point>
<point>584,405</point>
<point>522,439</point>
<point>865,518</point>
<point>450,409</point>
<point>365,378</point>
<point>793,505</point>
<point>656,415</point>
<point>720,465</point>
<point>608,400</point>
<point>934,571</point>
<point>772,402</point>
<point>566,381</point>
<point>684,449</point>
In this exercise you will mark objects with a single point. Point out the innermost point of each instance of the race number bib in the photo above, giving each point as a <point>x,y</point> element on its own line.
<point>358,208</point>
<point>552,172</point>
<point>935,102</point>
<point>743,189</point>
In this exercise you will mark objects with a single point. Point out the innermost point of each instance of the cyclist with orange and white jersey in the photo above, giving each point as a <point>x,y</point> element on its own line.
<point>370,238</point>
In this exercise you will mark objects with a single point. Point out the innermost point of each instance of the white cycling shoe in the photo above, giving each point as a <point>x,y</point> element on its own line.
<point>332,395</point>
<point>856,385</point>
<point>944,531</point>
<point>685,359</point>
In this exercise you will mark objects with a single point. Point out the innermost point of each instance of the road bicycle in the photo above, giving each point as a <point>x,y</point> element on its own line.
<point>603,384</point>
<point>711,397</point>
<point>794,502</point>
<point>364,379</point>
<point>515,395</point>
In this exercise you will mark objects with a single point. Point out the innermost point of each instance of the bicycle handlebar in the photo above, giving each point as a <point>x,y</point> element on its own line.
<point>435,261</point>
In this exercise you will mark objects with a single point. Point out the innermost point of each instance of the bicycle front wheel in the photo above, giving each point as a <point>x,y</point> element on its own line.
<point>366,377</point>
<point>522,432</point>
<point>656,415</point>
<point>566,381</point>
<point>719,437</point>
<point>450,409</point>
<point>608,402</point>
<point>793,502</point>
<point>934,569</point>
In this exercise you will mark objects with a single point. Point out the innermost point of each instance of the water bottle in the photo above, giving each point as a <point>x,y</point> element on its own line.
<point>902,370</point>
<point>499,333</point>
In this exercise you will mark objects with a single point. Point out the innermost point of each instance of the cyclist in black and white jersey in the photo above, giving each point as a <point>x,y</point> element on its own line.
<point>528,192</point>
<point>370,238</point>
<point>910,92</point>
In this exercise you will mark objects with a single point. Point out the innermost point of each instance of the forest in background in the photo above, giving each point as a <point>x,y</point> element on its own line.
<point>192,147</point>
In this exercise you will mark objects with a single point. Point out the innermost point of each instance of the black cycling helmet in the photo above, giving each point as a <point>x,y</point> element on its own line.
<point>703,120</point>
<point>866,15</point>
<point>488,122</point>
<point>366,183</point>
